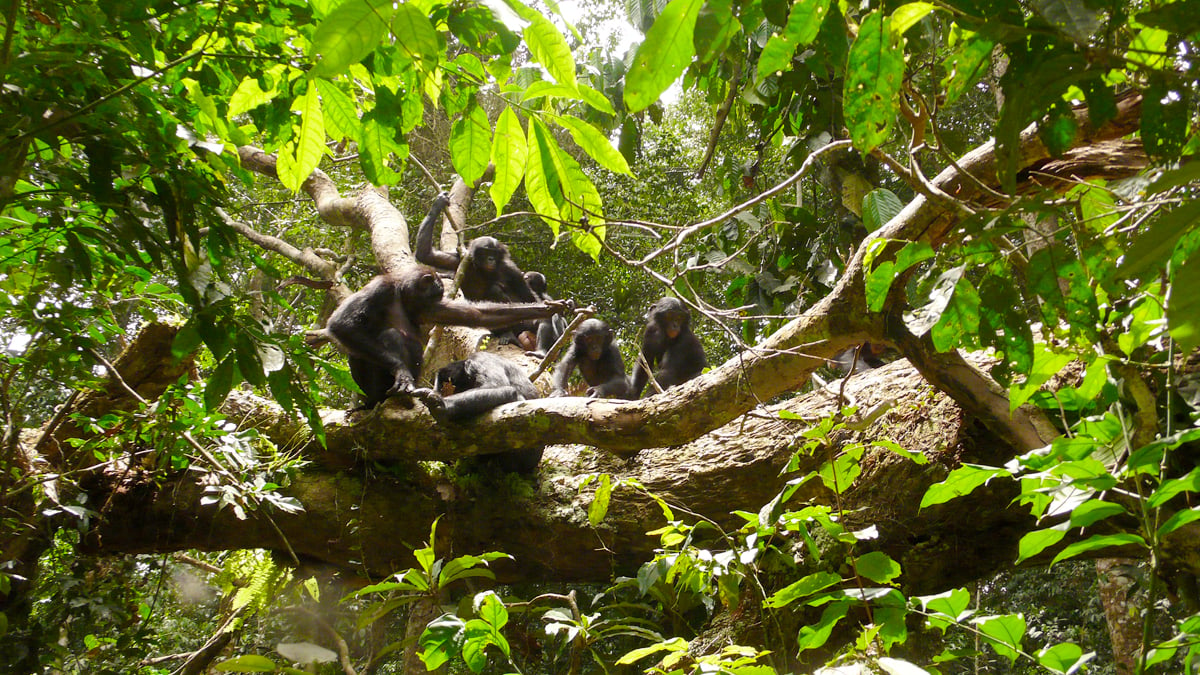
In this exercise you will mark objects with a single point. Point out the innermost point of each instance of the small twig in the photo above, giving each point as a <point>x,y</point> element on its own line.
<point>581,315</point>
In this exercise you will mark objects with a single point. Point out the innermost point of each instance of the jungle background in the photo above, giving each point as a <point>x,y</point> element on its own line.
<point>998,195</point>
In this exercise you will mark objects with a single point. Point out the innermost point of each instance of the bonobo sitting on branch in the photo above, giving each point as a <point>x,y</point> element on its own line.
<point>490,273</point>
<point>598,359</point>
<point>669,345</point>
<point>378,327</point>
<point>479,383</point>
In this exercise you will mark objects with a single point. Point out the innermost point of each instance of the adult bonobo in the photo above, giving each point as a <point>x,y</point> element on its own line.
<point>479,383</point>
<point>670,346</point>
<point>379,328</point>
<point>599,362</point>
<point>490,273</point>
<point>548,330</point>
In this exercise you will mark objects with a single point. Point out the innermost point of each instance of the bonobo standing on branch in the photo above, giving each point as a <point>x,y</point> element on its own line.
<point>598,359</point>
<point>669,345</point>
<point>548,330</point>
<point>479,383</point>
<point>490,273</point>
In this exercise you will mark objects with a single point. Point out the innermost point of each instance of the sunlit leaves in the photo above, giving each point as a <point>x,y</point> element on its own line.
<point>559,189</point>
<point>413,33</point>
<point>962,481</point>
<point>341,114</point>
<point>1183,304</point>
<point>550,49</point>
<point>661,59</point>
<point>969,61</point>
<point>802,589</point>
<point>1073,17</point>
<point>471,144</point>
<point>873,76</point>
<point>374,147</point>
<point>595,144</point>
<point>1097,543</point>
<point>308,145</point>
<point>1004,633</point>
<point>907,16</point>
<point>509,153</point>
<point>350,32</point>
<point>804,21</point>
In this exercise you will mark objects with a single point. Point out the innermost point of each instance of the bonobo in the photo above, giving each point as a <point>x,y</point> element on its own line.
<point>479,383</point>
<point>870,356</point>
<point>548,330</point>
<point>378,327</point>
<point>490,273</point>
<point>598,359</point>
<point>670,346</point>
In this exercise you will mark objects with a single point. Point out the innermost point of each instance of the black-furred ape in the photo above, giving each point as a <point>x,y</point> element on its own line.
<point>479,383</point>
<point>548,330</point>
<point>670,346</point>
<point>599,362</point>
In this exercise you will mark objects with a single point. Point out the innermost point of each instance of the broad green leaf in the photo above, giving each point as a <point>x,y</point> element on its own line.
<point>925,317</point>
<point>813,636</point>
<point>959,322</point>
<point>248,663</point>
<point>804,588</point>
<point>840,474</point>
<point>599,506</point>
<point>878,207</point>
<point>341,115</point>
<point>1064,657</point>
<point>1185,174</point>
<point>374,147</point>
<point>1149,48</point>
<point>961,481</point>
<point>1004,633</point>
<point>1153,246</point>
<point>491,609</point>
<point>413,32</point>
<point>594,144</point>
<point>674,645</point>
<point>595,99</point>
<point>1093,511</point>
<point>558,187</point>
<point>1097,542</point>
<point>1037,541</point>
<point>441,640</point>
<point>1183,304</point>
<point>219,383</point>
<point>543,184</point>
<point>663,56</point>
<point>350,32</point>
<point>1178,520</point>
<point>877,566</point>
<point>1046,364</point>
<point>907,16</point>
<point>1175,486</point>
<point>247,96</point>
<point>804,21</point>
<point>550,49</point>
<point>1073,17</point>
<point>966,65</point>
<point>953,604</point>
<point>471,144</point>
<point>874,71</point>
<point>509,153</point>
<point>310,144</point>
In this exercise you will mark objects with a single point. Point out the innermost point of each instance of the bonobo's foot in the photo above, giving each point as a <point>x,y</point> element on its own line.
<point>433,401</point>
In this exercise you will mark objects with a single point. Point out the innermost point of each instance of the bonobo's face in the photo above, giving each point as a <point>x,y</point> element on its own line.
<point>671,316</point>
<point>486,254</point>
<point>593,338</point>
<point>536,281</point>
<point>425,288</point>
<point>451,379</point>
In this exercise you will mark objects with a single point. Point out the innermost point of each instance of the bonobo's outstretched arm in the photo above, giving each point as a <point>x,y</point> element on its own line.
<point>489,314</point>
<point>425,253</point>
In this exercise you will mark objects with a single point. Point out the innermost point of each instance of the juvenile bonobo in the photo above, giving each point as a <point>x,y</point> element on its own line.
<point>599,362</point>
<point>490,273</point>
<point>670,346</point>
<point>548,330</point>
<point>479,383</point>
<point>378,327</point>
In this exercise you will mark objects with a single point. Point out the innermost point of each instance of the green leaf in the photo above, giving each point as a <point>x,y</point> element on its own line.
<point>1093,511</point>
<point>966,65</point>
<point>1097,542</point>
<point>803,23</point>
<point>925,317</point>
<point>961,481</point>
<point>1165,117</point>
<point>874,72</point>
<point>1183,304</point>
<point>374,148</point>
<point>558,188</point>
<point>1153,247</point>
<point>441,640</point>
<point>951,606</point>
<point>1037,541</point>
<point>877,566</point>
<point>550,49</point>
<point>1178,520</point>
<point>663,56</point>
<point>814,635</point>
<point>414,34</point>
<point>907,16</point>
<point>1063,657</point>
<point>596,99</point>
<point>802,589</point>
<point>219,383</point>
<point>509,154</point>
<point>674,645</point>
<point>350,32</point>
<point>1175,486</point>
<point>1003,633</point>
<point>599,506</point>
<point>880,206</point>
<point>247,96</point>
<point>341,115</point>
<point>1072,17</point>
<point>471,144</point>
<point>959,322</point>
<point>248,663</point>
<point>1046,364</point>
<point>595,144</point>
<point>310,144</point>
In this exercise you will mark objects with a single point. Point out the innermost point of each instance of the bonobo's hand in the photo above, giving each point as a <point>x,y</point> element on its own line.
<point>404,389</point>
<point>562,305</point>
<point>442,200</point>
<point>433,401</point>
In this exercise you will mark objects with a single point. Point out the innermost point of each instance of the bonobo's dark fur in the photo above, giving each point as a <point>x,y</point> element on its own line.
<point>599,362</point>
<point>548,330</point>
<point>670,346</point>
<point>479,383</point>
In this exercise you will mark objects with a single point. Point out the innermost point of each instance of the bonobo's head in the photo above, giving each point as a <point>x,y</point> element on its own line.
<point>671,315</point>
<point>537,282</point>
<point>486,253</point>
<point>454,377</point>
<point>592,338</point>
<point>419,287</point>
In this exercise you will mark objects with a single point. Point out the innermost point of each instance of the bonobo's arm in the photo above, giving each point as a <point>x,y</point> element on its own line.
<point>488,314</point>
<point>652,352</point>
<point>562,374</point>
<point>425,253</point>
<point>478,401</point>
<point>515,282</point>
